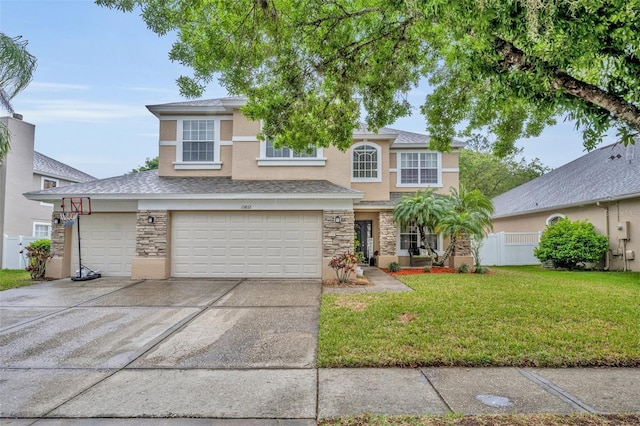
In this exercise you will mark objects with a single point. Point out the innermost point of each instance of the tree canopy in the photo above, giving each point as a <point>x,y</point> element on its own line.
<point>149,164</point>
<point>482,170</point>
<point>16,71</point>
<point>505,67</point>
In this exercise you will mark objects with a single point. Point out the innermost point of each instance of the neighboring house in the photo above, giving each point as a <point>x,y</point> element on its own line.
<point>222,203</point>
<point>21,171</point>
<point>602,187</point>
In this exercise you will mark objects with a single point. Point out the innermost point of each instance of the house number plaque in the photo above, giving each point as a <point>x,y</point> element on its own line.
<point>245,207</point>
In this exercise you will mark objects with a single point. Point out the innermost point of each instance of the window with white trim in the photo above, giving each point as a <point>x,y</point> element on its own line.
<point>554,218</point>
<point>285,152</point>
<point>198,140</point>
<point>366,163</point>
<point>48,183</point>
<point>419,168</point>
<point>410,235</point>
<point>42,230</point>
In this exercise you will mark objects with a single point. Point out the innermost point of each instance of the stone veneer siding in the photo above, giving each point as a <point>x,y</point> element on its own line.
<point>57,236</point>
<point>388,234</point>
<point>151,238</point>
<point>337,238</point>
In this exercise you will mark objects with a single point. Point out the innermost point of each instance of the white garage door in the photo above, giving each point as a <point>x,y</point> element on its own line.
<point>108,243</point>
<point>247,244</point>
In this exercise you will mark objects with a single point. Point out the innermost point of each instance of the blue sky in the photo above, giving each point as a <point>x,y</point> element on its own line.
<point>98,68</point>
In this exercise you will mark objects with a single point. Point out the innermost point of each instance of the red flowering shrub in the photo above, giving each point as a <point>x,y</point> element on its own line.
<point>344,265</point>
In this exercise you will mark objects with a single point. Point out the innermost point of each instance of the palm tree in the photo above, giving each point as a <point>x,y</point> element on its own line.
<point>16,71</point>
<point>467,213</point>
<point>423,209</point>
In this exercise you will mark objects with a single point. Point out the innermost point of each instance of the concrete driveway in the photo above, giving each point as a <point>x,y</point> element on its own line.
<point>203,348</point>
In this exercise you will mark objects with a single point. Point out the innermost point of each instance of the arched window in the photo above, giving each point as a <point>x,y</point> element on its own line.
<point>366,163</point>
<point>554,218</point>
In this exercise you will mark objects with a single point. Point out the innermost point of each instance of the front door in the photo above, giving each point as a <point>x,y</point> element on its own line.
<point>364,233</point>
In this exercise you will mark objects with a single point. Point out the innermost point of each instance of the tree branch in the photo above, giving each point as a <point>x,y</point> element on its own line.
<point>515,59</point>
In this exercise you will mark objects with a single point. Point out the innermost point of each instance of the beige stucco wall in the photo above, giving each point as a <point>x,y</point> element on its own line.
<point>617,212</point>
<point>169,130</point>
<point>244,127</point>
<point>18,179</point>
<point>168,156</point>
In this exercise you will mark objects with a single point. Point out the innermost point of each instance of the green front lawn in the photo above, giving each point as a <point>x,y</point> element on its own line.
<point>519,316</point>
<point>13,278</point>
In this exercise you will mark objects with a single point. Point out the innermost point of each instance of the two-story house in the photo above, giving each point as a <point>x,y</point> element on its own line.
<point>224,204</point>
<point>23,170</point>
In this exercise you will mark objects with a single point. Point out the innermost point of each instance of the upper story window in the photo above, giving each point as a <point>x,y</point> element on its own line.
<point>285,156</point>
<point>554,218</point>
<point>48,183</point>
<point>198,140</point>
<point>419,168</point>
<point>366,163</point>
<point>284,152</point>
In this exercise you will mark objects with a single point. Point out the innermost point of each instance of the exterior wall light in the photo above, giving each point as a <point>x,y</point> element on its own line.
<point>56,221</point>
<point>151,219</point>
<point>336,219</point>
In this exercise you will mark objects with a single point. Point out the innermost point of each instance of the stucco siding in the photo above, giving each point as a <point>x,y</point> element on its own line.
<point>617,212</point>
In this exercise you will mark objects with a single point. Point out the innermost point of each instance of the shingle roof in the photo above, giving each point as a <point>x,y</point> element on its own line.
<point>394,199</point>
<point>149,185</point>
<point>48,166</point>
<point>608,173</point>
<point>403,137</point>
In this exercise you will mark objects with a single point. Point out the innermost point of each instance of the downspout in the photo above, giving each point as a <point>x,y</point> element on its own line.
<point>608,254</point>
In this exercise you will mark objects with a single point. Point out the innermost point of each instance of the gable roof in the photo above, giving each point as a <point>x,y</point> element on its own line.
<point>402,138</point>
<point>605,174</point>
<point>149,185</point>
<point>47,166</point>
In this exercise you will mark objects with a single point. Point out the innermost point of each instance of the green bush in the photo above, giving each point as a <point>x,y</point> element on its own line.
<point>394,267</point>
<point>570,245</point>
<point>427,268</point>
<point>38,252</point>
<point>481,270</point>
<point>463,269</point>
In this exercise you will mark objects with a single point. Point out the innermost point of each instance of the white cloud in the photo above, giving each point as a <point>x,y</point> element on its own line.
<point>49,110</point>
<point>55,87</point>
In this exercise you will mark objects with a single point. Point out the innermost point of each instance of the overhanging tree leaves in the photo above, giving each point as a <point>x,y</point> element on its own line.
<point>16,71</point>
<point>503,66</point>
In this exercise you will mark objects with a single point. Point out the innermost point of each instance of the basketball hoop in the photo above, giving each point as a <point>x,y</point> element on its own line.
<point>68,218</point>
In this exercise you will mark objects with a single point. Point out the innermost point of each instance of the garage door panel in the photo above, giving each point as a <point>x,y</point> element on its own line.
<point>108,243</point>
<point>247,243</point>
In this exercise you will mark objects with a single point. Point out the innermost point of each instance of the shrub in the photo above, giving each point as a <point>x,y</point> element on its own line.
<point>427,268</point>
<point>481,270</point>
<point>463,269</point>
<point>394,267</point>
<point>571,244</point>
<point>38,252</point>
<point>344,265</point>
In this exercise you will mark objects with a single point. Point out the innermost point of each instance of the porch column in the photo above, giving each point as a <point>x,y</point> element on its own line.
<point>388,239</point>
<point>337,237</point>
<point>152,259</point>
<point>59,266</point>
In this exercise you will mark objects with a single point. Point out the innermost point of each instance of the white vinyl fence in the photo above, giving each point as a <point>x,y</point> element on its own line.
<point>510,248</point>
<point>11,256</point>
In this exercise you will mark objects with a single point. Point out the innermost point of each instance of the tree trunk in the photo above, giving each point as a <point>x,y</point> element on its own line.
<point>515,58</point>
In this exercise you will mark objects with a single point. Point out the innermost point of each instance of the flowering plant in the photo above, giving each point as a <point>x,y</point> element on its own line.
<point>344,265</point>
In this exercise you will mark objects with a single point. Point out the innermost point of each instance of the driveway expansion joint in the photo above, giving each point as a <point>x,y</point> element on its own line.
<point>557,391</point>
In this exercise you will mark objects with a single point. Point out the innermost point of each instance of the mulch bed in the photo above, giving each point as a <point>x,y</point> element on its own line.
<point>434,270</point>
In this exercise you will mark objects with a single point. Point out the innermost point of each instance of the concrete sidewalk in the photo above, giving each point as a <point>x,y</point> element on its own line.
<point>220,352</point>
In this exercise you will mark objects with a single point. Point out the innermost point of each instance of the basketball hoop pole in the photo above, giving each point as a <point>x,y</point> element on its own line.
<point>79,251</point>
<point>78,206</point>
